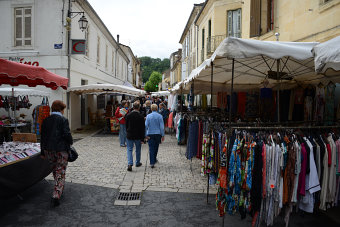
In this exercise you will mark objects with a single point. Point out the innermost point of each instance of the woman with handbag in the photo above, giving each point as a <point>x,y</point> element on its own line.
<point>56,140</point>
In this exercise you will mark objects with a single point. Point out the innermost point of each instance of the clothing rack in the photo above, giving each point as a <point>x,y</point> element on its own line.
<point>284,127</point>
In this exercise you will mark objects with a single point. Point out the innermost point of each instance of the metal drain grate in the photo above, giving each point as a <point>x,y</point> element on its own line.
<point>128,196</point>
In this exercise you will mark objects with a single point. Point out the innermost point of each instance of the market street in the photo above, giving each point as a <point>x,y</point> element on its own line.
<point>172,194</point>
<point>102,162</point>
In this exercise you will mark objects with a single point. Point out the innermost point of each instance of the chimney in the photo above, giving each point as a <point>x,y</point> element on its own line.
<point>117,38</point>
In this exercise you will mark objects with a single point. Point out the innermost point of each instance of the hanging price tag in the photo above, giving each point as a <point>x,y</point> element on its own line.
<point>272,184</point>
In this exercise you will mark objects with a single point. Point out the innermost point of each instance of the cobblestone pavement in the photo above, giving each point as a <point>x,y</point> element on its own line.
<point>102,162</point>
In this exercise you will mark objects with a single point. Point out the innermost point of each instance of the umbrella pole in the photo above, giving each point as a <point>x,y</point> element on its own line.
<point>278,90</point>
<point>15,109</point>
<point>231,90</point>
<point>211,105</point>
<point>211,85</point>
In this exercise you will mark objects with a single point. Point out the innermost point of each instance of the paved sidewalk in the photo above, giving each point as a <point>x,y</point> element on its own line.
<point>102,162</point>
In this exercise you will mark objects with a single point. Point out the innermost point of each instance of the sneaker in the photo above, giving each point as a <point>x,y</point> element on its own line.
<point>152,166</point>
<point>129,168</point>
<point>139,164</point>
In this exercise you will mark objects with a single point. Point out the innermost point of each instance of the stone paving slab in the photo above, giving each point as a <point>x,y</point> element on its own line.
<point>102,162</point>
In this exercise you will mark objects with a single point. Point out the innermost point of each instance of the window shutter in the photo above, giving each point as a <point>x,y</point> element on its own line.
<point>87,34</point>
<point>230,23</point>
<point>255,18</point>
<point>28,26</point>
<point>238,24</point>
<point>18,27</point>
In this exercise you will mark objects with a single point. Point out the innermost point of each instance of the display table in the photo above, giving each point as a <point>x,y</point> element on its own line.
<point>7,130</point>
<point>18,175</point>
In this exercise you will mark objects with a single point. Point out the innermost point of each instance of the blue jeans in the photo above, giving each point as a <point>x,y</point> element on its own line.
<point>122,134</point>
<point>130,144</point>
<point>154,142</point>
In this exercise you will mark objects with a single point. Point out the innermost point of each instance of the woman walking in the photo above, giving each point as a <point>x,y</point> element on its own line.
<point>120,115</point>
<point>55,142</point>
<point>154,126</point>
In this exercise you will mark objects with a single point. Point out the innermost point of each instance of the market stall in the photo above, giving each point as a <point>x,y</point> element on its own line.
<point>13,100</point>
<point>267,96</point>
<point>20,163</point>
<point>160,93</point>
<point>108,89</point>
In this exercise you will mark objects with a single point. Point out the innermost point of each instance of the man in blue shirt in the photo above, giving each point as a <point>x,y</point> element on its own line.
<point>154,127</point>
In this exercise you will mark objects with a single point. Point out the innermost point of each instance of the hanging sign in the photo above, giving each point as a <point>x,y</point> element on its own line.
<point>78,46</point>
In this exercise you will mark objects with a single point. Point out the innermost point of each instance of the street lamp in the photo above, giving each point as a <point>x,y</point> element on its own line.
<point>83,23</point>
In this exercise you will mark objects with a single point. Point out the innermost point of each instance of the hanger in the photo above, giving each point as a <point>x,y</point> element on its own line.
<point>320,85</point>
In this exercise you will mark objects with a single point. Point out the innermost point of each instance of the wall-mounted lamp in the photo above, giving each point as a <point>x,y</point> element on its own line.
<point>83,22</point>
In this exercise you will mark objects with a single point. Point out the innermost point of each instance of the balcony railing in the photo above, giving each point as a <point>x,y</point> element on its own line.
<point>213,42</point>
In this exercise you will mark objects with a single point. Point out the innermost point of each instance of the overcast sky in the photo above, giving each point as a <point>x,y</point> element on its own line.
<point>150,27</point>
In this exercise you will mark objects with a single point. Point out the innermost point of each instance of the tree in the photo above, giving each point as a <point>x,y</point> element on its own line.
<point>148,65</point>
<point>149,87</point>
<point>152,84</point>
<point>155,78</point>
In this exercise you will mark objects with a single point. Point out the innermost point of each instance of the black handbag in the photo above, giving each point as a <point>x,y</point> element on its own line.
<point>72,154</point>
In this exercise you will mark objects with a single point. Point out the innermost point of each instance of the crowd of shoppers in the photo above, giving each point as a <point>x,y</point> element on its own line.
<point>144,122</point>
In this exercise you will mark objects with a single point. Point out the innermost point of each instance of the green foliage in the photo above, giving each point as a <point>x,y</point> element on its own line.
<point>152,84</point>
<point>148,65</point>
<point>149,87</point>
<point>155,78</point>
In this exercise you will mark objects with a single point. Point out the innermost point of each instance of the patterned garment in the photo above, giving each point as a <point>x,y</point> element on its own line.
<point>210,157</point>
<point>58,160</point>
<point>205,154</point>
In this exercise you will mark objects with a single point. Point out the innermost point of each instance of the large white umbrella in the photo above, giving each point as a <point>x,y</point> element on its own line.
<point>8,91</point>
<point>252,62</point>
<point>106,89</point>
<point>327,57</point>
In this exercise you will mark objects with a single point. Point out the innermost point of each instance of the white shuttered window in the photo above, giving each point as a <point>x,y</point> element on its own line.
<point>234,23</point>
<point>23,26</point>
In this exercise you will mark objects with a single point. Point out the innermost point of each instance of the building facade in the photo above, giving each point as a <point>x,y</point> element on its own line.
<point>302,21</point>
<point>36,33</point>
<point>175,67</point>
<point>189,43</point>
<point>133,66</point>
<point>165,84</point>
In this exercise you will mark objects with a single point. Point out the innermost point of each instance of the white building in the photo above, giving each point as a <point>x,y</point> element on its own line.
<point>128,52</point>
<point>31,28</point>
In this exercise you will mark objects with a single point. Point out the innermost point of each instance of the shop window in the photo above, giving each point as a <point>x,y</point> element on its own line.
<point>234,23</point>
<point>23,26</point>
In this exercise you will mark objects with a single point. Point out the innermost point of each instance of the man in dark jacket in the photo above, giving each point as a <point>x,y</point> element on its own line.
<point>135,129</point>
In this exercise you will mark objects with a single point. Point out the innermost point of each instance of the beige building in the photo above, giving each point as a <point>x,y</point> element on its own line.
<point>165,84</point>
<point>175,67</point>
<point>189,43</point>
<point>304,20</point>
